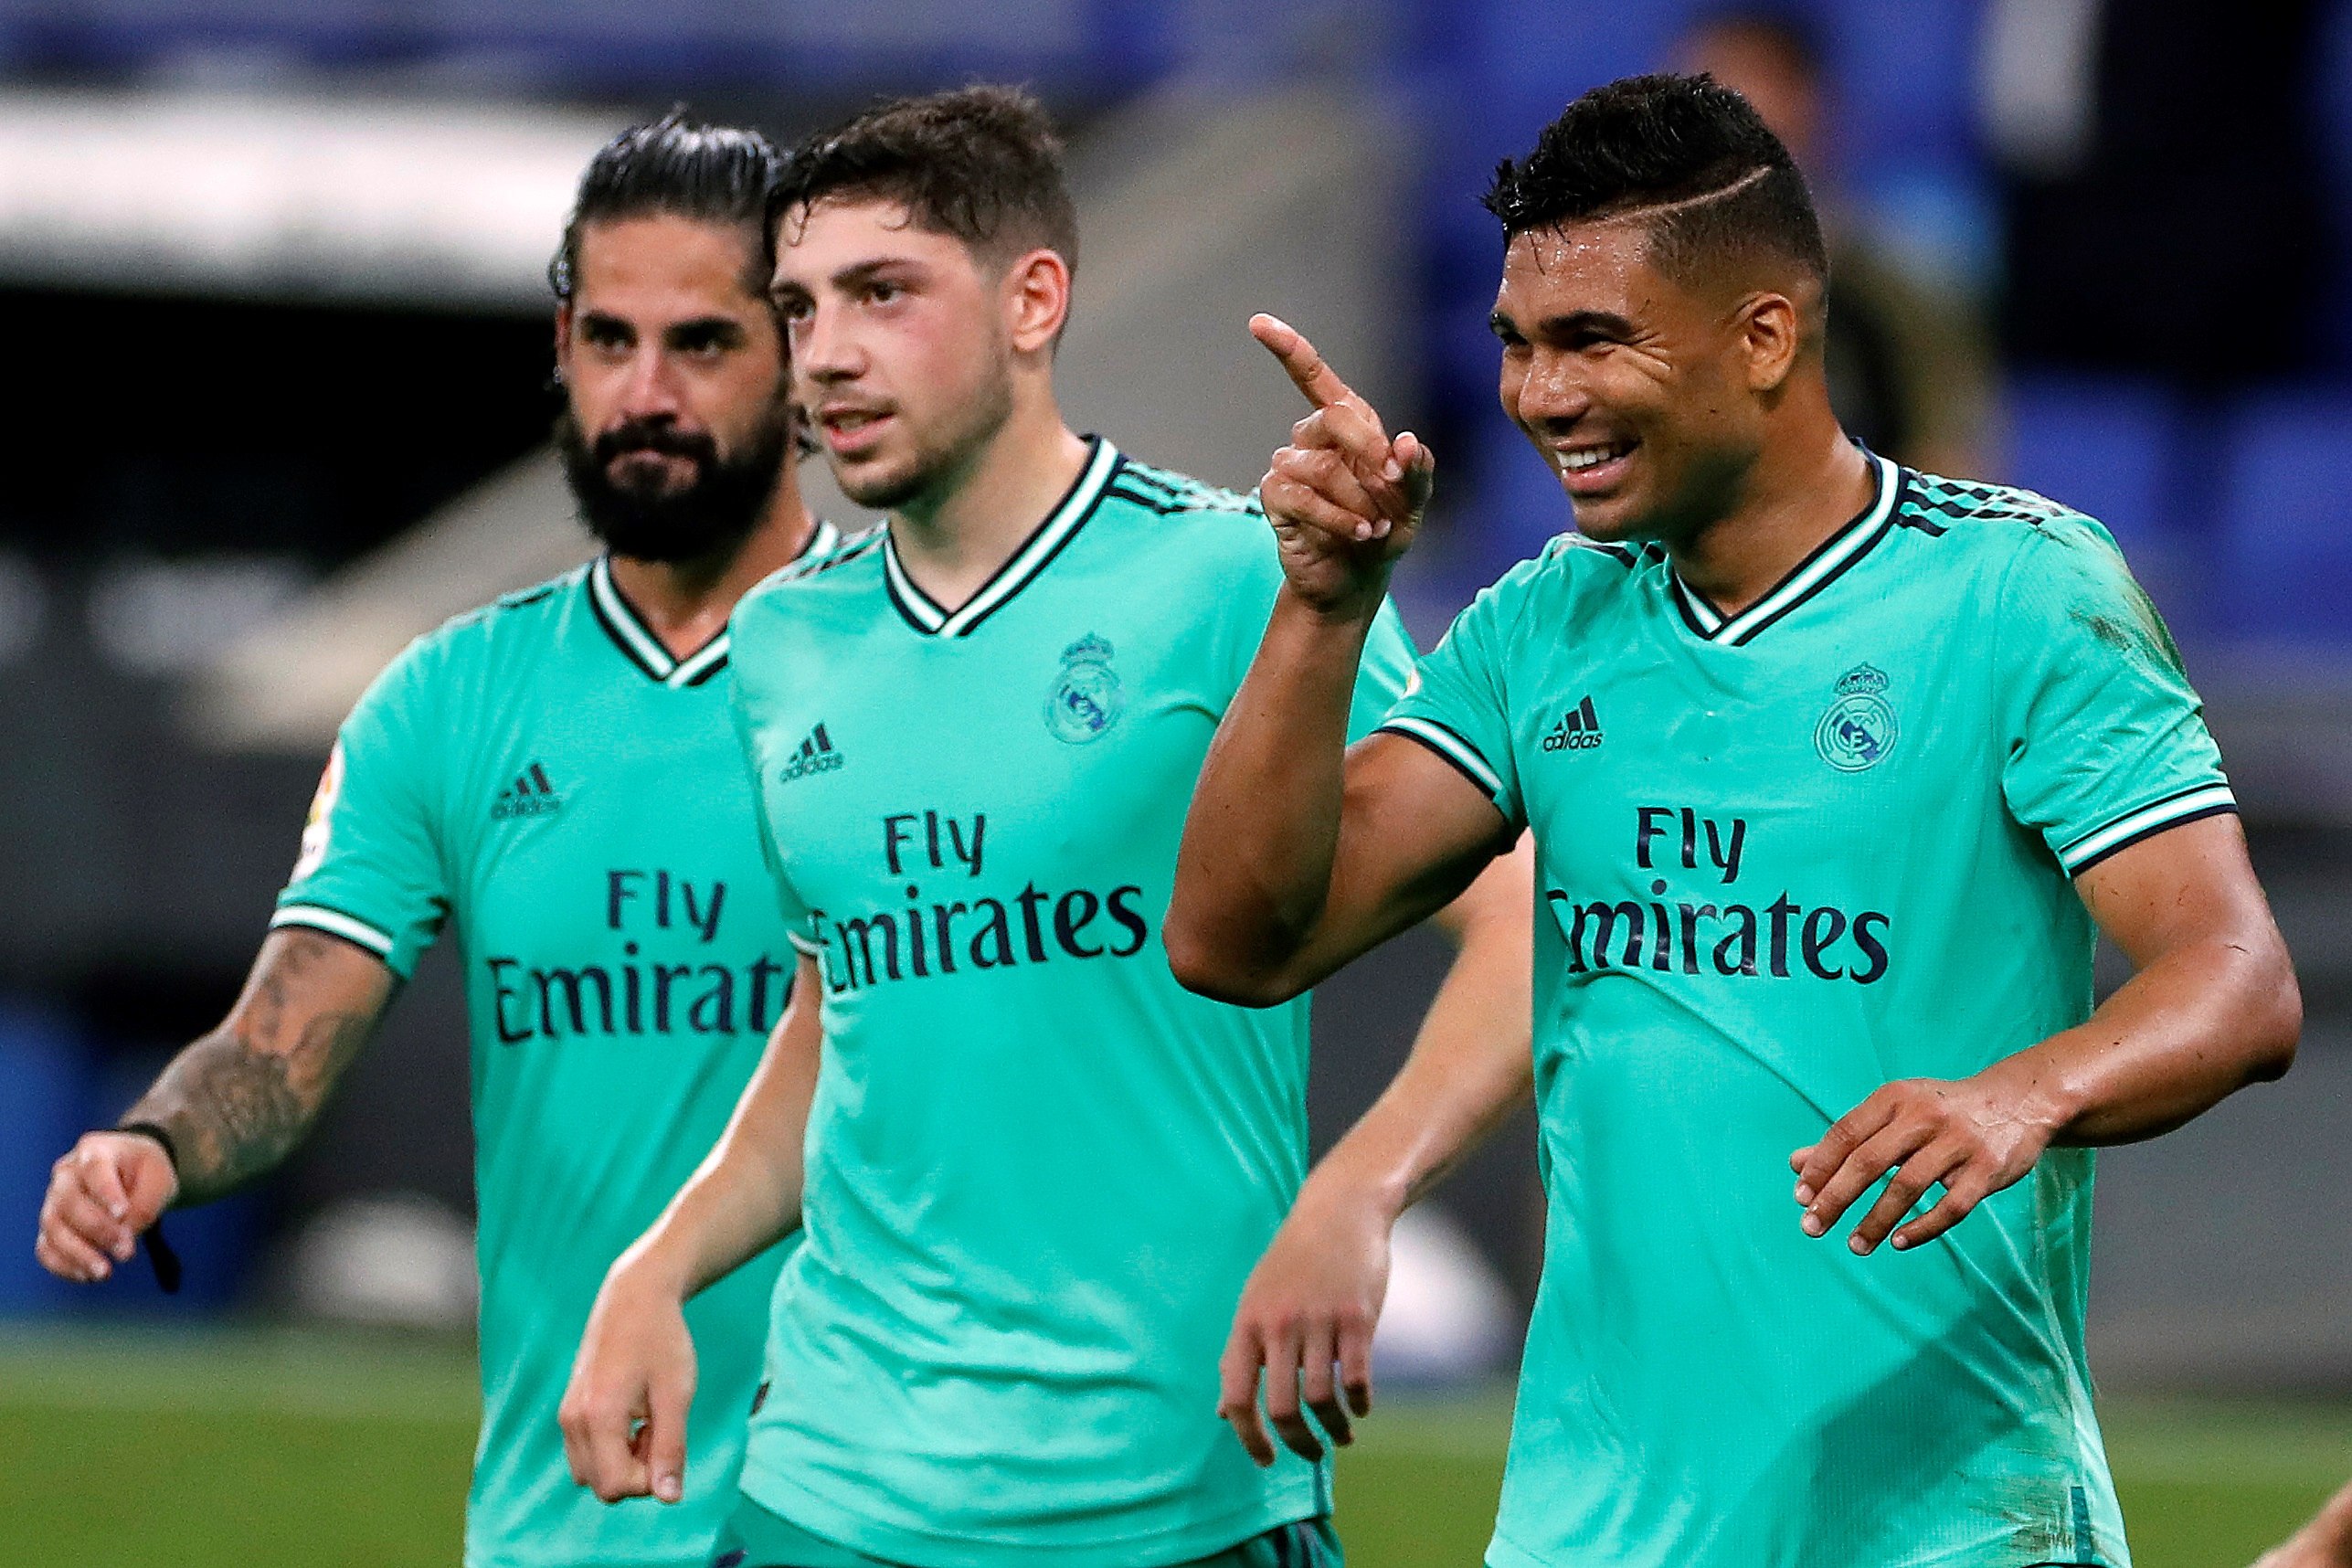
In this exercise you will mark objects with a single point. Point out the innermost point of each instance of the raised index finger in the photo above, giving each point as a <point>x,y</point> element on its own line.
<point>1307,371</point>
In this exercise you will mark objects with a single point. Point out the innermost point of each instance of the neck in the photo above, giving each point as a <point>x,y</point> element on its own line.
<point>686,603</point>
<point>953,542</point>
<point>1795,495</point>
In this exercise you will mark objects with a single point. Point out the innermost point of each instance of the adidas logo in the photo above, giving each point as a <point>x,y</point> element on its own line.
<point>531,795</point>
<point>1580,731</point>
<point>816,756</point>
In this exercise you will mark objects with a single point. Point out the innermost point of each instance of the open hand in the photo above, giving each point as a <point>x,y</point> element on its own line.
<point>1345,500</point>
<point>1973,1135</point>
<point>1306,1321</point>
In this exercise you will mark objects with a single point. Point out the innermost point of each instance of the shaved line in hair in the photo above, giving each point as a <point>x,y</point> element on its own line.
<point>1666,209</point>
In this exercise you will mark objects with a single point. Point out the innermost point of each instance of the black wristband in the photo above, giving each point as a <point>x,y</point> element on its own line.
<point>160,1255</point>
<point>149,1130</point>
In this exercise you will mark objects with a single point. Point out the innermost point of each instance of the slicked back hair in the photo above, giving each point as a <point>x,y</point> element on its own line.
<point>1684,154</point>
<point>675,167</point>
<point>983,165</point>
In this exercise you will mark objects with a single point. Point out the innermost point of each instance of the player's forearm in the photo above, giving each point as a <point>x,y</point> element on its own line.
<point>239,1100</point>
<point>1471,1066</point>
<point>2329,1534</point>
<point>745,1195</point>
<point>1254,870</point>
<point>2191,1028</point>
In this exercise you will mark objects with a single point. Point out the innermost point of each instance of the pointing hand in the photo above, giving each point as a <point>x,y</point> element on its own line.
<point>1344,499</point>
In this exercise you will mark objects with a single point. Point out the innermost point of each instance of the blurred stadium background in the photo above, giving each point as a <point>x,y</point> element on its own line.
<point>275,271</point>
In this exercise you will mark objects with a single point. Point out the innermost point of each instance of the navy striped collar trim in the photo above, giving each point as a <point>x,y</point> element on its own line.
<point>1831,560</point>
<point>1061,526</point>
<point>641,648</point>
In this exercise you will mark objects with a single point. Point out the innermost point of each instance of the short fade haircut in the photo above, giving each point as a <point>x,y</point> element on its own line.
<point>674,167</point>
<point>983,165</point>
<point>1684,154</point>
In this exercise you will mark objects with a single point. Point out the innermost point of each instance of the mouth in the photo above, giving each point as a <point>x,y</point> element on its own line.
<point>1592,468</point>
<point>651,469</point>
<point>848,431</point>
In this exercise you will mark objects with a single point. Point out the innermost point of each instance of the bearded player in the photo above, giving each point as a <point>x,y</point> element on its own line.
<point>1834,771</point>
<point>1035,1172</point>
<point>557,773</point>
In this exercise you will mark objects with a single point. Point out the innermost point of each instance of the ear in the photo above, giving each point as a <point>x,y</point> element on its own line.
<point>1036,299</point>
<point>1772,332</point>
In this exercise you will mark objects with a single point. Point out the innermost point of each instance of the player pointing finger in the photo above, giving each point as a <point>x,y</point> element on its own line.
<point>1344,499</point>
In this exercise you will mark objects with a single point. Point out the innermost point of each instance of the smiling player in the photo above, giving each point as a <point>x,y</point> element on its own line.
<point>557,774</point>
<point>1834,771</point>
<point>1037,1172</point>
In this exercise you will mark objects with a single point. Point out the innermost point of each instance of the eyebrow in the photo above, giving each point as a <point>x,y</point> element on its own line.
<point>704,326</point>
<point>1603,324</point>
<point>866,272</point>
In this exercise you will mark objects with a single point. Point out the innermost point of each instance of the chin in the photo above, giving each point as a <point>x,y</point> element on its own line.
<point>877,490</point>
<point>1607,521</point>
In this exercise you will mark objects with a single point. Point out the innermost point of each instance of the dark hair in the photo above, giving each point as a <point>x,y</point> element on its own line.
<point>1687,153</point>
<point>710,174</point>
<point>983,164</point>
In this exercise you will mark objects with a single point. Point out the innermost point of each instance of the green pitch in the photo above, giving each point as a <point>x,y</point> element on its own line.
<point>257,1450</point>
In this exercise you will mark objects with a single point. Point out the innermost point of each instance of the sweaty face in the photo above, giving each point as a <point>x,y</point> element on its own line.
<point>677,420</point>
<point>1631,385</point>
<point>901,350</point>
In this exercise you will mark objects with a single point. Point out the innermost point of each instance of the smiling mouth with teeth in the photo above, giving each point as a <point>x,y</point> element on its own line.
<point>1593,457</point>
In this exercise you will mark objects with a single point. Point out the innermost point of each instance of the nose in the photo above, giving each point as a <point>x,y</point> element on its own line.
<point>1551,395</point>
<point>650,389</point>
<point>823,350</point>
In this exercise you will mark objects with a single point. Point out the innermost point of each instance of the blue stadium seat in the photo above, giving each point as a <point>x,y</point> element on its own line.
<point>43,1084</point>
<point>2100,445</point>
<point>2107,447</point>
<point>2286,520</point>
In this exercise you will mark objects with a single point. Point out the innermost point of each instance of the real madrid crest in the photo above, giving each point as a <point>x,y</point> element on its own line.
<point>1859,728</point>
<point>1086,699</point>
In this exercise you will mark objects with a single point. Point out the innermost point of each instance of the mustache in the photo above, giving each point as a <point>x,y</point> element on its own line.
<point>652,436</point>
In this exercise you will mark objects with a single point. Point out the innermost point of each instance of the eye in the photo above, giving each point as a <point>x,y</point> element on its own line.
<point>882,291</point>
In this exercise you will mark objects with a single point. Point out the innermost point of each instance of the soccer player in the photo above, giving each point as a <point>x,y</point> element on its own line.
<point>1835,770</point>
<point>558,774</point>
<point>1037,1171</point>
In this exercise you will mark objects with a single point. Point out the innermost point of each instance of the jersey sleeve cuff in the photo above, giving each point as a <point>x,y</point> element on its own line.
<point>1452,749</point>
<point>335,923</point>
<point>2146,823</point>
<point>812,949</point>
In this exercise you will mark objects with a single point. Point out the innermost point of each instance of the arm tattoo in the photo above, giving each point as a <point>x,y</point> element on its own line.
<point>237,1101</point>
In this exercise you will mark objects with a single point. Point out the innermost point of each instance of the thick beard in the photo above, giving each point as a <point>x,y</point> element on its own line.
<point>939,468</point>
<point>708,518</point>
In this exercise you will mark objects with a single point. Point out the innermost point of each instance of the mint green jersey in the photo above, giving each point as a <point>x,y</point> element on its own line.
<point>543,772</point>
<point>1784,858</point>
<point>1039,1170</point>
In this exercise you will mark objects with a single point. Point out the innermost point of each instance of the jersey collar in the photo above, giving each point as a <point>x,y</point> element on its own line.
<point>1061,526</point>
<point>1831,561</point>
<point>636,640</point>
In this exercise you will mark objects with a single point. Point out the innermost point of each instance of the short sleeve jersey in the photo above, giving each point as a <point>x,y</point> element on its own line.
<point>545,773</point>
<point>1039,1170</point>
<point>1786,857</point>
